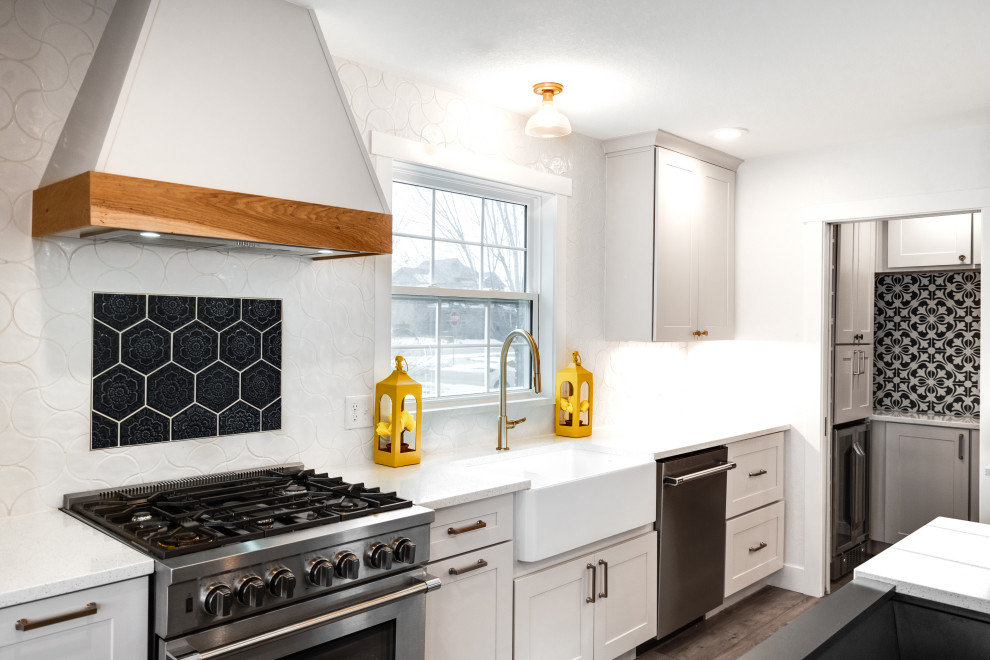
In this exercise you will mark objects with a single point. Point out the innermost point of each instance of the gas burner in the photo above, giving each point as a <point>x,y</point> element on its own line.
<point>143,515</point>
<point>182,538</point>
<point>265,523</point>
<point>294,489</point>
<point>347,505</point>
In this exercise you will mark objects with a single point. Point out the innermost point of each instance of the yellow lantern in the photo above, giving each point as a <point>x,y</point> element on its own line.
<point>575,388</point>
<point>399,393</point>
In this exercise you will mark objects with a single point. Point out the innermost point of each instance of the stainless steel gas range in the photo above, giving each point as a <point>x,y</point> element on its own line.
<point>274,563</point>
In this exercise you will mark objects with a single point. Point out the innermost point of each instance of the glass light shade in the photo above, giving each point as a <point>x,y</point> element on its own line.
<point>548,122</point>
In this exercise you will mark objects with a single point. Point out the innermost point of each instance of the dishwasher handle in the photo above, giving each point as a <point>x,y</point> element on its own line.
<point>720,467</point>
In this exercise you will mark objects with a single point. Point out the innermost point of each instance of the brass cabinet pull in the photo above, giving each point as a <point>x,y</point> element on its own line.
<point>757,473</point>
<point>473,567</point>
<point>757,548</point>
<point>470,528</point>
<point>604,565</point>
<point>700,333</point>
<point>26,624</point>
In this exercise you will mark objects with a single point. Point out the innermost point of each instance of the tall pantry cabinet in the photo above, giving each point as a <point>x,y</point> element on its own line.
<point>670,240</point>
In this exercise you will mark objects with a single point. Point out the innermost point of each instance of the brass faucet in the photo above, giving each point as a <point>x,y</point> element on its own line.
<point>504,423</point>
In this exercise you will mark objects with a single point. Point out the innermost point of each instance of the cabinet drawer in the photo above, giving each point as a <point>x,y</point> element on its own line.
<point>759,475</point>
<point>754,546</point>
<point>470,526</point>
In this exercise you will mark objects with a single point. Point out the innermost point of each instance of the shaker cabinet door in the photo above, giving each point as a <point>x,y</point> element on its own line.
<point>554,617</point>
<point>855,279</point>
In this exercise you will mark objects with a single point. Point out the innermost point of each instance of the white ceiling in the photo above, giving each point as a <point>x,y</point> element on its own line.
<point>798,74</point>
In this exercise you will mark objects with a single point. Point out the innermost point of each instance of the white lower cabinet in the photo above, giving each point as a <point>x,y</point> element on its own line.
<point>599,605</point>
<point>470,616</point>
<point>110,623</point>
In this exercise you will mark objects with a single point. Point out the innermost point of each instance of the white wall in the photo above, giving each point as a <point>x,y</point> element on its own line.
<point>779,287</point>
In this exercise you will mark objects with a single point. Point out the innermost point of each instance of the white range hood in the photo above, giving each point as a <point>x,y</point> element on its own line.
<point>223,95</point>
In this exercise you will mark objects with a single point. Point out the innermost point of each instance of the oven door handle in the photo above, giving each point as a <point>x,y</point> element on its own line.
<point>428,583</point>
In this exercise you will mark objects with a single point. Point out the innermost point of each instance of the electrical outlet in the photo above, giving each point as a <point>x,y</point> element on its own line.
<point>357,410</point>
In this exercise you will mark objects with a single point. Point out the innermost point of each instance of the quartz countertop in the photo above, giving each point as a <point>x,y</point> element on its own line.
<point>51,553</point>
<point>946,561</point>
<point>930,419</point>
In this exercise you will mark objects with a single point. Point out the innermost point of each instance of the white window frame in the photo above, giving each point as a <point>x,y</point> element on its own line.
<point>546,196</point>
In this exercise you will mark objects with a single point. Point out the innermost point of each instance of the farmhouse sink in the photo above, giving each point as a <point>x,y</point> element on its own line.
<point>578,494</point>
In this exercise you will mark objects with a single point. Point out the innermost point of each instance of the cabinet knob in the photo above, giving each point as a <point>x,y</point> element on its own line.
<point>962,258</point>
<point>700,333</point>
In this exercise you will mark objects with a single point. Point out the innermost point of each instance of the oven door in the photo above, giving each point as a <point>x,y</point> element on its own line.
<point>381,620</point>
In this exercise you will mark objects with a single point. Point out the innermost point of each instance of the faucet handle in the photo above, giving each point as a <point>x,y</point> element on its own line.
<point>512,423</point>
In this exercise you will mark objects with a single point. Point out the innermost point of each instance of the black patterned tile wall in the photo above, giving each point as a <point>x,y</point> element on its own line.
<point>180,367</point>
<point>926,344</point>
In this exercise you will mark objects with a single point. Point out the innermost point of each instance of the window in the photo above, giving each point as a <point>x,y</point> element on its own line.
<point>464,271</point>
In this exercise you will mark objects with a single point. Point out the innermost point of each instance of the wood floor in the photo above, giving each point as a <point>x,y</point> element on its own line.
<point>737,629</point>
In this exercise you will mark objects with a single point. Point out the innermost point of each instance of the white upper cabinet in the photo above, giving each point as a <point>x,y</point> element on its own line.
<point>943,240</point>
<point>854,283</point>
<point>670,244</point>
<point>977,239</point>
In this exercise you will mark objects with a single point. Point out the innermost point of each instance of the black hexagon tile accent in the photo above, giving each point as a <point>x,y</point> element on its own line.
<point>218,313</point>
<point>240,346</point>
<point>106,348</point>
<point>195,346</point>
<point>145,347</point>
<point>170,389</point>
<point>240,418</point>
<point>261,384</point>
<point>271,346</point>
<point>104,432</point>
<point>118,392</point>
<point>144,427</point>
<point>179,367</point>
<point>119,310</point>
<point>194,422</point>
<point>262,313</point>
<point>171,312</point>
<point>217,387</point>
<point>271,417</point>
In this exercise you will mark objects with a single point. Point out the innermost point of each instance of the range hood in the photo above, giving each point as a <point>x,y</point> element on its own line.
<point>215,125</point>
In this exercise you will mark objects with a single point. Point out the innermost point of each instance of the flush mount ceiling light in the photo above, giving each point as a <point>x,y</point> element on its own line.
<point>548,122</point>
<point>729,133</point>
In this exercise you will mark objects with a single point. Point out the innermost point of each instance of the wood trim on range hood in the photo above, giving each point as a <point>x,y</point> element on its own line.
<point>114,207</point>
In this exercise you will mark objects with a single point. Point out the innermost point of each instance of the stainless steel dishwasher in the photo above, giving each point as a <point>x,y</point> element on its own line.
<point>691,536</point>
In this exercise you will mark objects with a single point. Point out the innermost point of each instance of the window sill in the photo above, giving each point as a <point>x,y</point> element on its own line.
<point>487,404</point>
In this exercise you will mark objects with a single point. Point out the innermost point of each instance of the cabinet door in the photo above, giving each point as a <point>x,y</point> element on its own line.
<point>675,286</point>
<point>977,239</point>
<point>927,475</point>
<point>117,629</point>
<point>714,238</point>
<point>626,612</point>
<point>942,240</point>
<point>853,379</point>
<point>554,616</point>
<point>855,267</point>
<point>471,615</point>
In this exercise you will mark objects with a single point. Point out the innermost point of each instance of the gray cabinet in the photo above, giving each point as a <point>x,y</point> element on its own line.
<point>926,475</point>
<point>854,283</point>
<point>853,379</point>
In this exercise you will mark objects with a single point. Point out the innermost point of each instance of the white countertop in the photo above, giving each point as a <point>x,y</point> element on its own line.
<point>929,419</point>
<point>946,561</point>
<point>51,553</point>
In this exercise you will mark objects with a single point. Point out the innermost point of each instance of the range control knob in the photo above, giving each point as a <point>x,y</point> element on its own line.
<point>251,591</point>
<point>379,555</point>
<point>405,550</point>
<point>281,583</point>
<point>218,600</point>
<point>321,572</point>
<point>346,565</point>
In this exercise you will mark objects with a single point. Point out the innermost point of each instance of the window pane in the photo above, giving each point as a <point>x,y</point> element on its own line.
<point>518,366</point>
<point>457,266</point>
<point>422,368</point>
<point>505,270</point>
<point>412,210</point>
<point>505,224</point>
<point>458,217</point>
<point>462,322</point>
<point>410,261</point>
<point>507,315</point>
<point>463,371</point>
<point>414,321</point>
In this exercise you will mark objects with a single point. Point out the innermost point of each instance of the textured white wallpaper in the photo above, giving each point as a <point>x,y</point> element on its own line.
<point>328,352</point>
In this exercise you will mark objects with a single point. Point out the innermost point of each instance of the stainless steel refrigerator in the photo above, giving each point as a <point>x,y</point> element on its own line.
<point>850,497</point>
